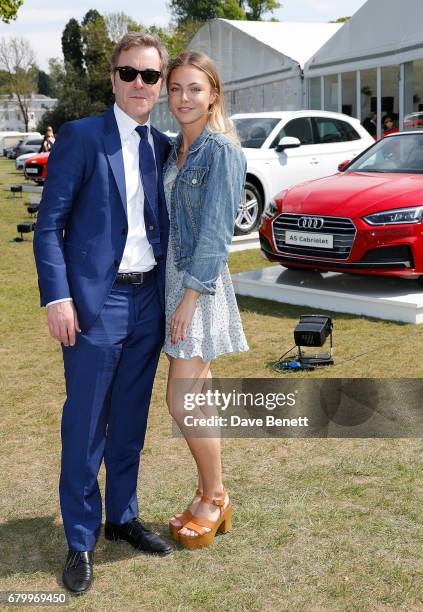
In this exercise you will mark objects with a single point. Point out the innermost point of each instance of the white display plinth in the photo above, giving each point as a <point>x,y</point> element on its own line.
<point>28,188</point>
<point>242,243</point>
<point>383,298</point>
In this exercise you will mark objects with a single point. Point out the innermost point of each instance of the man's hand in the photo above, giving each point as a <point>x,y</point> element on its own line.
<point>63,322</point>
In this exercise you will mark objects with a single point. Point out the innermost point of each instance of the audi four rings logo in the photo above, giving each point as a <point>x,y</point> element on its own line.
<point>311,222</point>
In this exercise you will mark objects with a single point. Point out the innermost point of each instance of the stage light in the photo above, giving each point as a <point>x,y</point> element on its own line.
<point>313,330</point>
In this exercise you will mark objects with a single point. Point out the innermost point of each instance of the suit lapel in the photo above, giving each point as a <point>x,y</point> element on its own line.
<point>113,147</point>
<point>159,165</point>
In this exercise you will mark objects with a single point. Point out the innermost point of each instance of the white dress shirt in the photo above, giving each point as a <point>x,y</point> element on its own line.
<point>138,254</point>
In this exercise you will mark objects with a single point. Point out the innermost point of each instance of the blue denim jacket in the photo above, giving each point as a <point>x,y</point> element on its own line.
<point>204,203</point>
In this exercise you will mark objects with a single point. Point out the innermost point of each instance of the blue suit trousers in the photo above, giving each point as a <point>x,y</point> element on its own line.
<point>109,376</point>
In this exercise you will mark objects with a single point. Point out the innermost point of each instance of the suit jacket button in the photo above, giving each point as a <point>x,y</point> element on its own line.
<point>124,231</point>
<point>151,227</point>
<point>116,263</point>
<point>194,181</point>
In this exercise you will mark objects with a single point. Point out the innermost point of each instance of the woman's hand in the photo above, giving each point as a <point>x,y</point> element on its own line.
<point>182,317</point>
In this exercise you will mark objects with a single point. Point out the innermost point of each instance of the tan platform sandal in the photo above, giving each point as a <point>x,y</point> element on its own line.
<point>198,524</point>
<point>183,518</point>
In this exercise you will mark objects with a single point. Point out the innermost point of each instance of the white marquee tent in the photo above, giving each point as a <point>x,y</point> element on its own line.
<point>373,64</point>
<point>260,63</point>
<point>380,33</point>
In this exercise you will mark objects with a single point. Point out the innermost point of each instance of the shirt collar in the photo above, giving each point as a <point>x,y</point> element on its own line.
<point>126,125</point>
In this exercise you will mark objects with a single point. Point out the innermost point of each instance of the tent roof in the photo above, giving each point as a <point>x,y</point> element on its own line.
<point>299,41</point>
<point>379,28</point>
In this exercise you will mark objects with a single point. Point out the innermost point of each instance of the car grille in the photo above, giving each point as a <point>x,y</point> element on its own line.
<point>38,168</point>
<point>341,228</point>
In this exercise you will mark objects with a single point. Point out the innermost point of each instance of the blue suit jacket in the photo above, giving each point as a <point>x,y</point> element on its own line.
<point>82,222</point>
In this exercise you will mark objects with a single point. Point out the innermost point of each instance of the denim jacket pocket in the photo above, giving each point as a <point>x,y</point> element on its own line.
<point>192,179</point>
<point>194,176</point>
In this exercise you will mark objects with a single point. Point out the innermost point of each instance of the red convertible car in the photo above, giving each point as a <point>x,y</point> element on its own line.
<point>367,219</point>
<point>35,168</point>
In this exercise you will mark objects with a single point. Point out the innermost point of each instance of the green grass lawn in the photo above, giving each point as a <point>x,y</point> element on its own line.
<point>318,524</point>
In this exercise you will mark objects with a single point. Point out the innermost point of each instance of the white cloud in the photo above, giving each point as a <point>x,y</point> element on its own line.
<point>159,20</point>
<point>43,43</point>
<point>324,6</point>
<point>46,16</point>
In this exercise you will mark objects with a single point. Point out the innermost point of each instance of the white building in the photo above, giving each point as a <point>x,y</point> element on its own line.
<point>374,63</point>
<point>11,117</point>
<point>261,63</point>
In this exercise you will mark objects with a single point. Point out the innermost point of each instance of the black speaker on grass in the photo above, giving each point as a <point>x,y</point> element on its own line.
<point>26,227</point>
<point>313,330</point>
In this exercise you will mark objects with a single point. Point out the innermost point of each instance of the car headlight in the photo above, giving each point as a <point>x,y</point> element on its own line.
<point>270,209</point>
<point>413,214</point>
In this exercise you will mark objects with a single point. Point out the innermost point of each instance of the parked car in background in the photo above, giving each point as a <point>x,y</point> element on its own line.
<point>20,161</point>
<point>367,219</point>
<point>9,139</point>
<point>35,167</point>
<point>9,151</point>
<point>413,121</point>
<point>29,144</point>
<point>288,147</point>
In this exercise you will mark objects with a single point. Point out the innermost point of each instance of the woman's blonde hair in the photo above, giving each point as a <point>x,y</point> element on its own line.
<point>218,119</point>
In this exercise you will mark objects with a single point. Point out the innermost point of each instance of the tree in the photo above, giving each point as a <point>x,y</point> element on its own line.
<point>74,103</point>
<point>18,60</point>
<point>72,45</point>
<point>174,38</point>
<point>4,82</point>
<point>43,83</point>
<point>255,9</point>
<point>82,82</point>
<point>9,9</point>
<point>193,10</point>
<point>340,20</point>
<point>230,9</point>
<point>203,10</point>
<point>118,24</point>
<point>97,49</point>
<point>91,16</point>
<point>56,73</point>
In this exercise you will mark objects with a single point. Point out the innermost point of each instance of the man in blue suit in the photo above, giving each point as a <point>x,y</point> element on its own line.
<point>100,248</point>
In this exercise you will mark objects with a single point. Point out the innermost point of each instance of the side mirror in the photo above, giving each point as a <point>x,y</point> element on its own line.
<point>343,165</point>
<point>288,142</point>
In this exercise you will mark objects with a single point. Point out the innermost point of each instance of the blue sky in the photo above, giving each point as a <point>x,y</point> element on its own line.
<point>42,22</point>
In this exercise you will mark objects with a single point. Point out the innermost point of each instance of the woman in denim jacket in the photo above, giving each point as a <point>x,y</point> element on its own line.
<point>204,180</point>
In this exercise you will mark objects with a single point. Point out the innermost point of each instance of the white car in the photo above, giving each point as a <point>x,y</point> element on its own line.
<point>20,161</point>
<point>288,147</point>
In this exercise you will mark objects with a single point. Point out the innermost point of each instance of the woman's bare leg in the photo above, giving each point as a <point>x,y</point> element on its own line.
<point>205,450</point>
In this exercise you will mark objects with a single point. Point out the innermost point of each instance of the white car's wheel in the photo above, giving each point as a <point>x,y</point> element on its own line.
<point>250,210</point>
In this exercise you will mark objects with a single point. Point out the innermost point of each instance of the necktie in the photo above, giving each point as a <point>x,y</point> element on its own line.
<point>147,169</point>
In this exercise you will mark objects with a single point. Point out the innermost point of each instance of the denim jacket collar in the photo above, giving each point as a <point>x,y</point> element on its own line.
<point>197,144</point>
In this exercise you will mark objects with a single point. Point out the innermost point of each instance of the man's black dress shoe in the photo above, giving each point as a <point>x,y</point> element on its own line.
<point>78,572</point>
<point>138,536</point>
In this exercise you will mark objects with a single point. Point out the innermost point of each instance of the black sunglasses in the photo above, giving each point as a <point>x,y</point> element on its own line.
<point>128,74</point>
